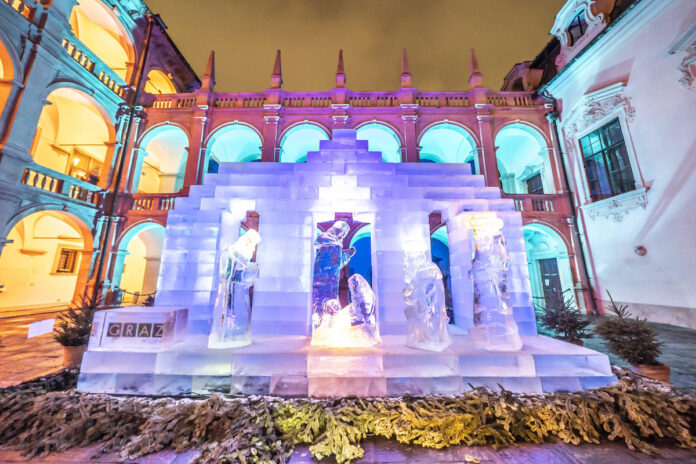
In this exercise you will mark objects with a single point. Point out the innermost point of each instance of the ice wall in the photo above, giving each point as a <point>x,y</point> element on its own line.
<point>342,177</point>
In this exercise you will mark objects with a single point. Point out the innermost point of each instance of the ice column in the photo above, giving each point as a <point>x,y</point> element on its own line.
<point>494,323</point>
<point>425,310</point>
<point>232,313</point>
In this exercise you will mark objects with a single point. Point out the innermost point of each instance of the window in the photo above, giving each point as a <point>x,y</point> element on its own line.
<point>534,184</point>
<point>577,27</point>
<point>606,162</point>
<point>67,261</point>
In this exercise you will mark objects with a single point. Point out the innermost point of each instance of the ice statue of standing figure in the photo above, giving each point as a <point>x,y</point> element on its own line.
<point>494,322</point>
<point>232,312</point>
<point>425,310</point>
<point>330,258</point>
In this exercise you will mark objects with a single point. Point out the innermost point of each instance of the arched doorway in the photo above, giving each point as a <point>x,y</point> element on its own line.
<point>523,160</point>
<point>73,135</point>
<point>234,143</point>
<point>47,261</point>
<point>361,262</point>
<point>549,264</point>
<point>299,140</point>
<point>439,250</point>
<point>140,250</point>
<point>158,83</point>
<point>162,157</point>
<point>383,139</point>
<point>449,143</point>
<point>103,33</point>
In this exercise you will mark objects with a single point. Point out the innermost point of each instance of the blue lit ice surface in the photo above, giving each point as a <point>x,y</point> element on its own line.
<point>291,199</point>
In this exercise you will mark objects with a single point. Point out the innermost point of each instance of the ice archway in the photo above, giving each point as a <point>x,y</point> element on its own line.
<point>383,139</point>
<point>523,160</point>
<point>299,140</point>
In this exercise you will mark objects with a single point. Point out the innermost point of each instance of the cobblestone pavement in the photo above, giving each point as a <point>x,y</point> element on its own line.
<point>23,358</point>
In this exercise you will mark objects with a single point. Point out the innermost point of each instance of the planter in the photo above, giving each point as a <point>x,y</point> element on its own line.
<point>659,372</point>
<point>72,355</point>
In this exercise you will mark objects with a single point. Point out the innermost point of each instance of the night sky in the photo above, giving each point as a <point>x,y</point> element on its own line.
<point>436,33</point>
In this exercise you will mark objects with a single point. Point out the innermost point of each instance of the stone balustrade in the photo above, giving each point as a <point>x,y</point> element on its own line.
<point>147,203</point>
<point>354,99</point>
<point>540,203</point>
<point>48,180</point>
<point>88,60</point>
<point>23,8</point>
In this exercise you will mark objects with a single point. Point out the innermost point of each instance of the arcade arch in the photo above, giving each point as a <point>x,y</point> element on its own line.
<point>361,262</point>
<point>299,140</point>
<point>103,33</point>
<point>46,262</point>
<point>549,263</point>
<point>233,143</point>
<point>137,268</point>
<point>383,139</point>
<point>523,160</point>
<point>73,135</point>
<point>449,143</point>
<point>439,251</point>
<point>158,83</point>
<point>6,75</point>
<point>163,154</point>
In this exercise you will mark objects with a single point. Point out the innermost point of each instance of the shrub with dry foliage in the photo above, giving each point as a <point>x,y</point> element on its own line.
<point>265,430</point>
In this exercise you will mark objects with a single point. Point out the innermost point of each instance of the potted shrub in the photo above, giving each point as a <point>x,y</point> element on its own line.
<point>562,318</point>
<point>72,332</point>
<point>633,340</point>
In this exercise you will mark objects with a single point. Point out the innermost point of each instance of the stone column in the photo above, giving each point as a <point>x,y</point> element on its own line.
<point>410,118</point>
<point>270,133</point>
<point>489,163</point>
<point>196,158</point>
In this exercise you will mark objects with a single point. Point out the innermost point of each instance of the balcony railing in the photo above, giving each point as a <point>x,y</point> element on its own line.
<point>22,8</point>
<point>540,203</point>
<point>88,60</point>
<point>355,99</point>
<point>48,180</point>
<point>148,202</point>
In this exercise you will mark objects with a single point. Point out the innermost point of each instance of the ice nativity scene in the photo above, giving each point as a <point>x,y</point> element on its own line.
<point>364,231</point>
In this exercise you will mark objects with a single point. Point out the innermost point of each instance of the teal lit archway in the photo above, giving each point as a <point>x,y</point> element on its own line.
<point>383,139</point>
<point>299,140</point>
<point>523,160</point>
<point>234,143</point>
<point>448,143</point>
<point>162,161</point>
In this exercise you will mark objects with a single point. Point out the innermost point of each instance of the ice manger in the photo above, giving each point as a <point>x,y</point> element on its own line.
<point>291,335</point>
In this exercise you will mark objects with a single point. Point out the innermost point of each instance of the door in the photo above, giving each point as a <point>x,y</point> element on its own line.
<point>550,279</point>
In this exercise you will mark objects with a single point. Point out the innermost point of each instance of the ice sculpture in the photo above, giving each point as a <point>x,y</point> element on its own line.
<point>330,259</point>
<point>354,325</point>
<point>425,310</point>
<point>494,323</point>
<point>232,313</point>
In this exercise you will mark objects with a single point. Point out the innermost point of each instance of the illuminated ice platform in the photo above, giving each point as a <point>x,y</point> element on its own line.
<point>286,365</point>
<point>167,350</point>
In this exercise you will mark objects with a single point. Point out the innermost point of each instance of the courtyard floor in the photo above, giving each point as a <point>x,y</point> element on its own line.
<point>23,359</point>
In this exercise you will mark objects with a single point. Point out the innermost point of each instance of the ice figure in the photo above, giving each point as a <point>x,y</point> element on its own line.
<point>494,323</point>
<point>232,313</point>
<point>425,310</point>
<point>354,325</point>
<point>330,259</point>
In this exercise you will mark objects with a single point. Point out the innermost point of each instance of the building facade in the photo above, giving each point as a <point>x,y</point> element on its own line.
<point>104,124</point>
